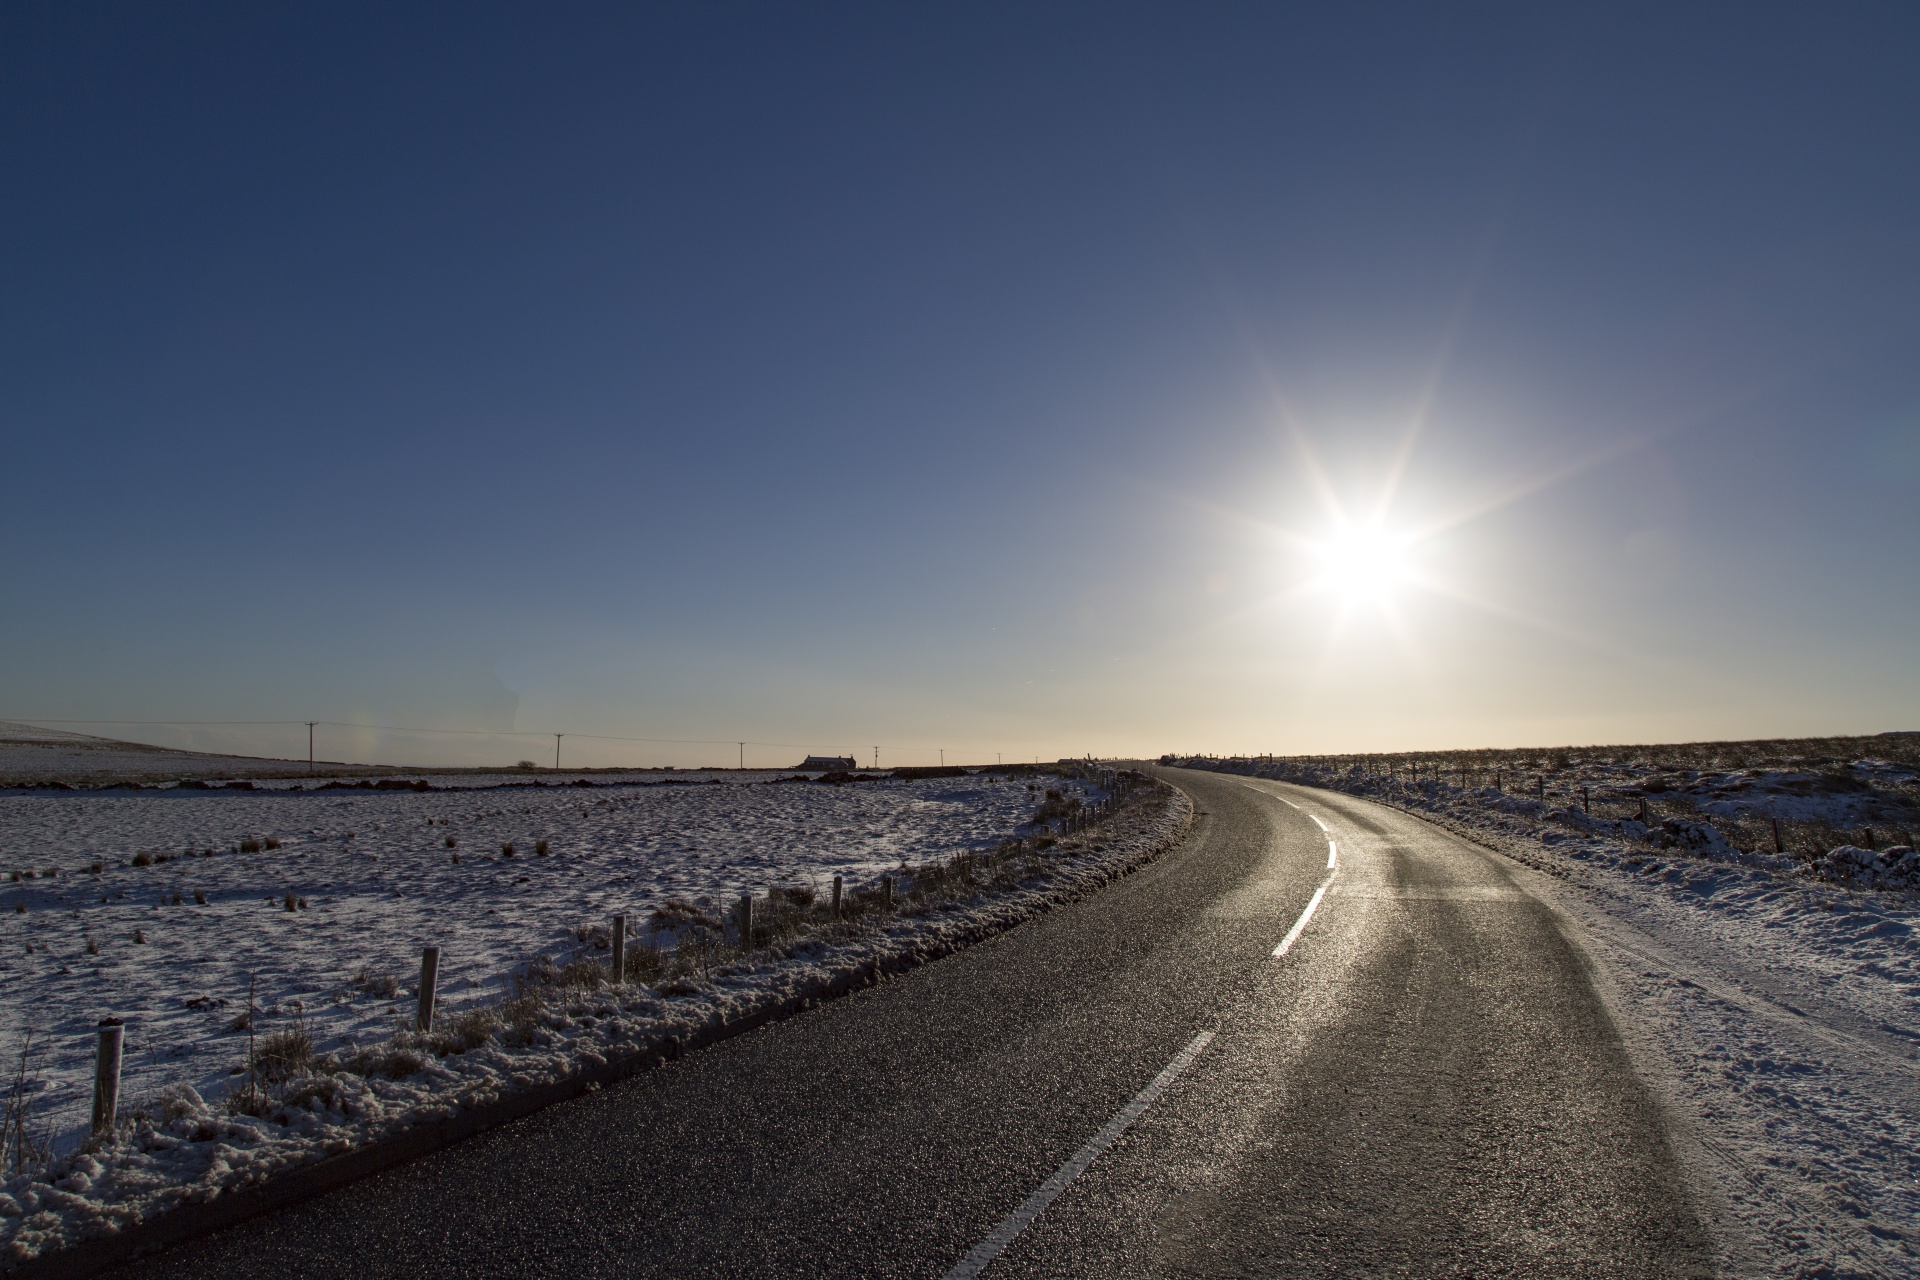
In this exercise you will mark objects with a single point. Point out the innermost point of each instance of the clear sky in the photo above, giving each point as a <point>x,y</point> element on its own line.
<point>1033,379</point>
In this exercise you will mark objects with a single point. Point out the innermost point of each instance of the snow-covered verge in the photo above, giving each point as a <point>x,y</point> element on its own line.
<point>1775,1009</point>
<point>564,1016</point>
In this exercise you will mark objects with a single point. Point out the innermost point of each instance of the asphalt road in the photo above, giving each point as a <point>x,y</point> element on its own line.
<point>1424,1084</point>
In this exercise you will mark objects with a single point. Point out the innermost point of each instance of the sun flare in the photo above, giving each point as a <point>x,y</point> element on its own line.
<point>1362,562</point>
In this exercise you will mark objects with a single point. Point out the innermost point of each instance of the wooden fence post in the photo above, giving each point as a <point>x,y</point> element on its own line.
<point>619,949</point>
<point>106,1075</point>
<point>429,979</point>
<point>746,920</point>
<point>837,885</point>
<point>1586,806</point>
<point>1779,846</point>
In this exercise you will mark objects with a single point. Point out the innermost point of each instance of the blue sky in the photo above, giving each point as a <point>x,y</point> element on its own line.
<point>987,377</point>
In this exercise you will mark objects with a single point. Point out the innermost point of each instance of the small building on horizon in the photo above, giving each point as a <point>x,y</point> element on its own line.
<point>826,764</point>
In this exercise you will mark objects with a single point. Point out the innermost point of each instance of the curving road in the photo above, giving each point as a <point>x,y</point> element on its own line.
<point>1425,1083</point>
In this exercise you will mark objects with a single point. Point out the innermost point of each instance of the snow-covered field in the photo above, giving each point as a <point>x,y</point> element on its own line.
<point>1772,1000</point>
<point>380,881</point>
<point>174,946</point>
<point>30,755</point>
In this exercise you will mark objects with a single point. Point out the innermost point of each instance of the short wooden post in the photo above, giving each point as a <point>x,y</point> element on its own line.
<point>1869,837</point>
<point>838,884</point>
<point>746,921</point>
<point>1779,845</point>
<point>886,890</point>
<point>1586,806</point>
<point>1643,811</point>
<point>619,948</point>
<point>429,978</point>
<point>106,1075</point>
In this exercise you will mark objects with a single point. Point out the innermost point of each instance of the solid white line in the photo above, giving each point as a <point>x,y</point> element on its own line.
<point>1333,855</point>
<point>1016,1222</point>
<point>1293,934</point>
<point>1316,817</point>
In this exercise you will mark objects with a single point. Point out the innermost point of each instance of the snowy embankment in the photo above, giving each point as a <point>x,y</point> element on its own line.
<point>1773,1000</point>
<point>212,1105</point>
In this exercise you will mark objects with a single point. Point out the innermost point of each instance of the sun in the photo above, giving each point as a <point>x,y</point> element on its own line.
<point>1362,562</point>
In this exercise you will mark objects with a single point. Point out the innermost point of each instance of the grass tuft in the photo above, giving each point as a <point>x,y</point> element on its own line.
<point>285,1053</point>
<point>383,985</point>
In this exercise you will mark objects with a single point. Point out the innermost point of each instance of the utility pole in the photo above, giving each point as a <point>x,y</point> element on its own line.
<point>943,757</point>
<point>310,725</point>
<point>876,757</point>
<point>556,749</point>
<point>743,754</point>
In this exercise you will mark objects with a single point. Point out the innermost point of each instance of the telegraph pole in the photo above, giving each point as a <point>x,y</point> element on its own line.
<point>743,754</point>
<point>310,725</point>
<point>876,757</point>
<point>556,749</point>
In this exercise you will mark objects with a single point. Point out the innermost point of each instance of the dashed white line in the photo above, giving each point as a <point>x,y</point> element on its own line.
<point>1293,934</point>
<point>1333,864</point>
<point>1016,1222</point>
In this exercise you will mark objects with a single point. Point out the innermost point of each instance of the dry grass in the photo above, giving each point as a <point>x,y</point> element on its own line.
<point>283,1054</point>
<point>383,985</point>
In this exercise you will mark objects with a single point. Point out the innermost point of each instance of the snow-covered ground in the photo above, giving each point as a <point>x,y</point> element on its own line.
<point>31,755</point>
<point>1776,1010</point>
<point>372,878</point>
<point>380,882</point>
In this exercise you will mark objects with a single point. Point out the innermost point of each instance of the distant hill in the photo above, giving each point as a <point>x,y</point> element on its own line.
<point>33,756</point>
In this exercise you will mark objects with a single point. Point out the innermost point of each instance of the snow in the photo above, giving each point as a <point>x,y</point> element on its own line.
<point>379,881</point>
<point>1773,1001</point>
<point>30,754</point>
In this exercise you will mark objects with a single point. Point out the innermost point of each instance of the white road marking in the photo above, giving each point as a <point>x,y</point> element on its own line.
<point>1333,863</point>
<point>1016,1222</point>
<point>1293,934</point>
<point>1262,791</point>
